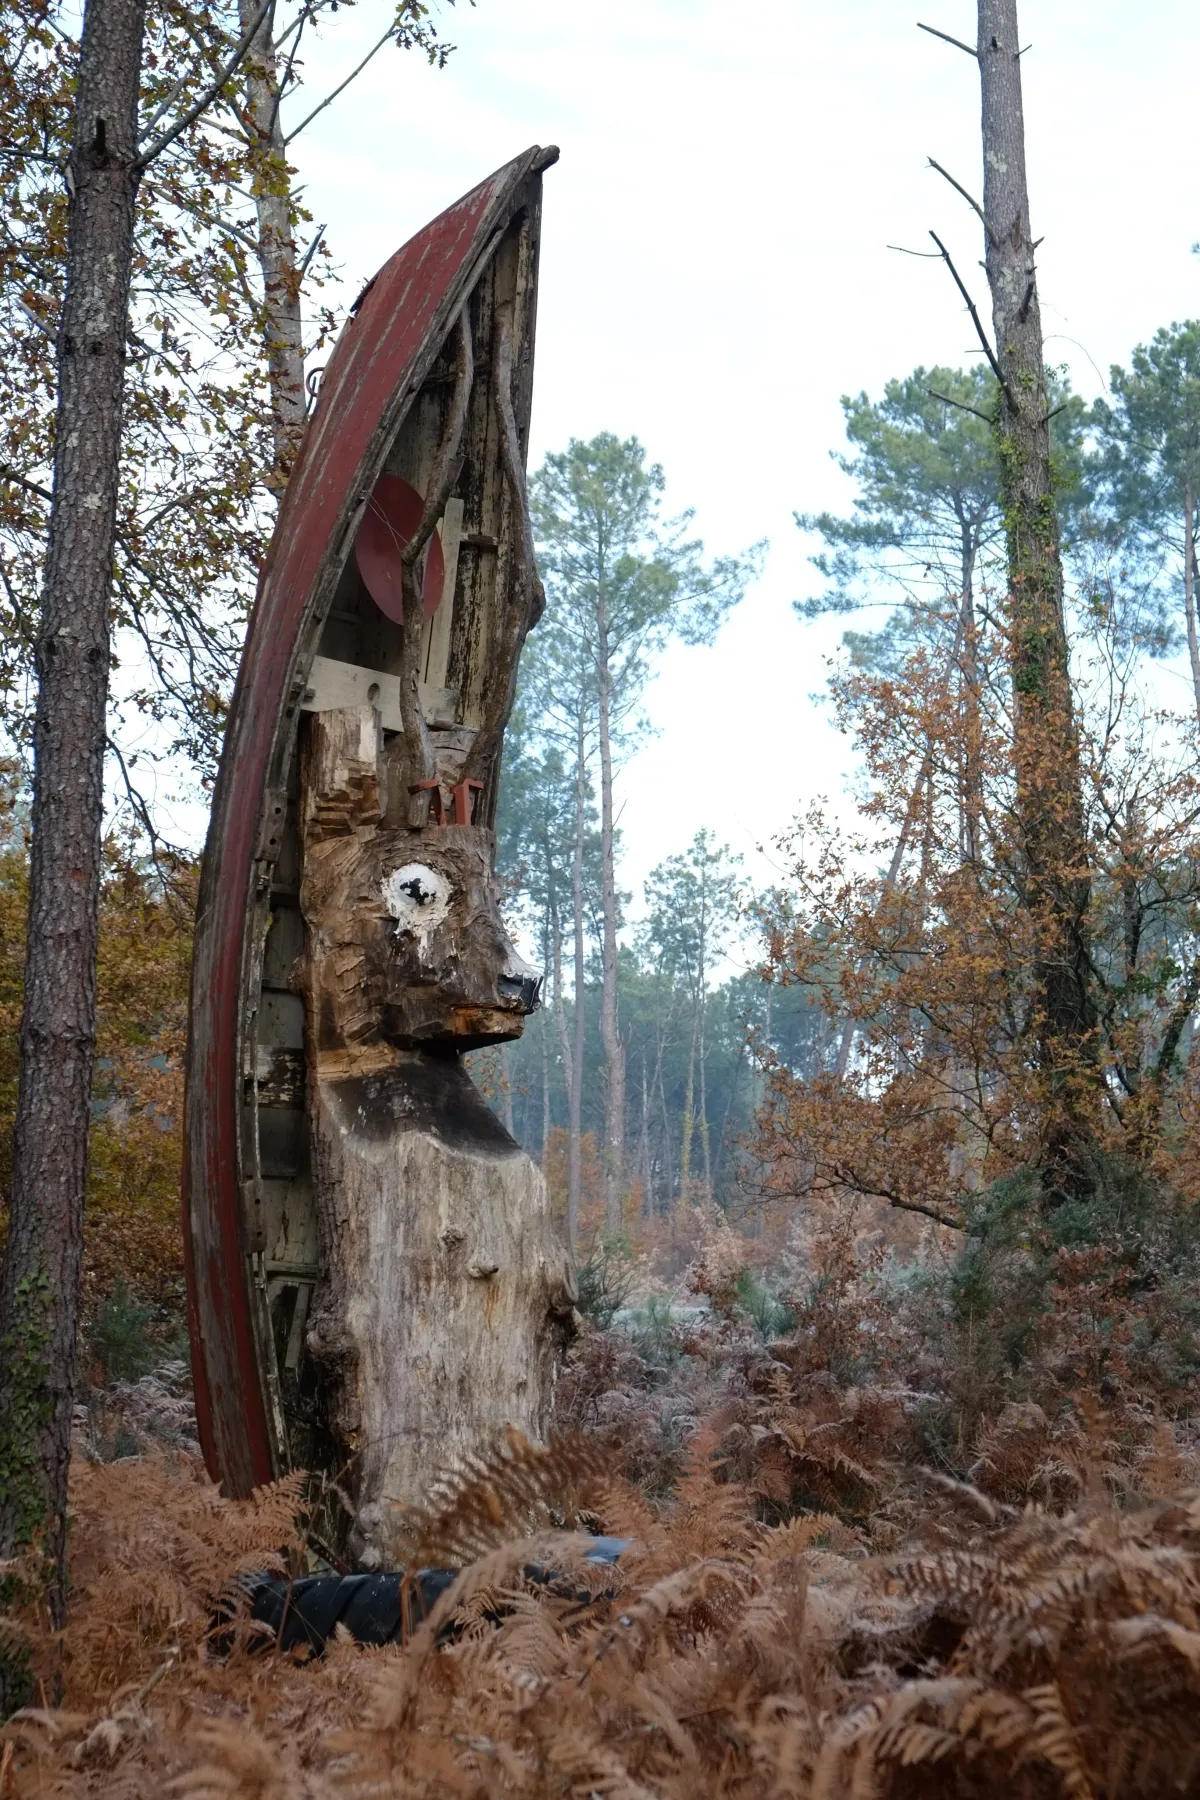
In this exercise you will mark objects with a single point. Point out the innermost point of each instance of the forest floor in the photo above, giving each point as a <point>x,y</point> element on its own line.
<point>828,1592</point>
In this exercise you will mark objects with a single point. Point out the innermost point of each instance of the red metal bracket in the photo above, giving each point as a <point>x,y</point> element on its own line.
<point>461,795</point>
<point>437,809</point>
<point>461,798</point>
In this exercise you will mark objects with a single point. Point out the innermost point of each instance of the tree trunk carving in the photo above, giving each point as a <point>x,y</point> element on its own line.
<point>445,1299</point>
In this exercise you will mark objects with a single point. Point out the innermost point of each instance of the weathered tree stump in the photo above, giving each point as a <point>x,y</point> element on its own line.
<point>445,1298</point>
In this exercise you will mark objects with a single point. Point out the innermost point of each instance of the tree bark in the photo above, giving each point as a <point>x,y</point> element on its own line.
<point>551,960</point>
<point>688,1119</point>
<point>702,1019</point>
<point>39,1288</point>
<point>972,740</point>
<point>610,1025</point>
<point>560,1017</point>
<point>1046,752</point>
<point>283,325</point>
<point>668,1158</point>
<point>1189,589</point>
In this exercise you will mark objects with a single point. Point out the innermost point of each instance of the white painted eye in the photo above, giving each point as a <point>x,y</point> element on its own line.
<point>418,898</point>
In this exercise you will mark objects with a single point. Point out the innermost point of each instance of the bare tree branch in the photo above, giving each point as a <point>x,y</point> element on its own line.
<point>164,106</point>
<point>947,39</point>
<point>330,98</point>
<point>1183,1010</point>
<point>969,198</point>
<point>302,271</point>
<point>31,487</point>
<point>284,79</point>
<point>34,320</point>
<point>961,405</point>
<point>997,371</point>
<point>162,853</point>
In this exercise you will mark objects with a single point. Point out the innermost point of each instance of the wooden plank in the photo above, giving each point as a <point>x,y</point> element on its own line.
<point>334,685</point>
<point>437,657</point>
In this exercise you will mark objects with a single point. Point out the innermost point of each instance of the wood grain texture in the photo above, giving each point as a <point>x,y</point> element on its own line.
<point>444,1300</point>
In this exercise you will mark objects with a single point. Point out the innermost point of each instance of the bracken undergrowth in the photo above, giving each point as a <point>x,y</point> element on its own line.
<point>806,1612</point>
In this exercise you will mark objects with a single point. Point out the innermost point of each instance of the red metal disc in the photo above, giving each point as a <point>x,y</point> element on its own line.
<point>388,525</point>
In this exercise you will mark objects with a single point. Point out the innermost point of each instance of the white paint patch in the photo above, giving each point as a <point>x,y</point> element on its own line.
<point>418,898</point>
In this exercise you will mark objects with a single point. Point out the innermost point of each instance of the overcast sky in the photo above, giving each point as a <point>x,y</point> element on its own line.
<point>715,273</point>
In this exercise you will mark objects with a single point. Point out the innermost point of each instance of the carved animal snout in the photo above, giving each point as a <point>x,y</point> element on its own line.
<point>519,981</point>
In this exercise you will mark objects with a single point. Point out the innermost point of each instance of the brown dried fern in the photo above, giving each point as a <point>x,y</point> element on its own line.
<point>514,1490</point>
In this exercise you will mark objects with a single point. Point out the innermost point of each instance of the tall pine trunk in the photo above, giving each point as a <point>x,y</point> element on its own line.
<point>971,780</point>
<point>688,1118</point>
<point>39,1287</point>
<point>702,1021</point>
<point>560,1023</point>
<point>1189,590</point>
<point>610,1026</point>
<point>575,1069</point>
<point>551,962</point>
<point>1049,807</point>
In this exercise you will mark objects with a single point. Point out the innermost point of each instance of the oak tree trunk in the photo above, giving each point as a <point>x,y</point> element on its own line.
<point>1050,815</point>
<point>39,1287</point>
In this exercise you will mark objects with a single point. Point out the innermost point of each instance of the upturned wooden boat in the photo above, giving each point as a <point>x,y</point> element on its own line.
<point>407,494</point>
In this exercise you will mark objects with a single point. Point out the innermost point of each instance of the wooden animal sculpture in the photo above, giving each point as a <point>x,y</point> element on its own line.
<point>374,1281</point>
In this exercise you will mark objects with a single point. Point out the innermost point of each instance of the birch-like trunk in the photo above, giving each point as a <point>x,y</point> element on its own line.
<point>283,326</point>
<point>610,1027</point>
<point>1046,751</point>
<point>39,1287</point>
